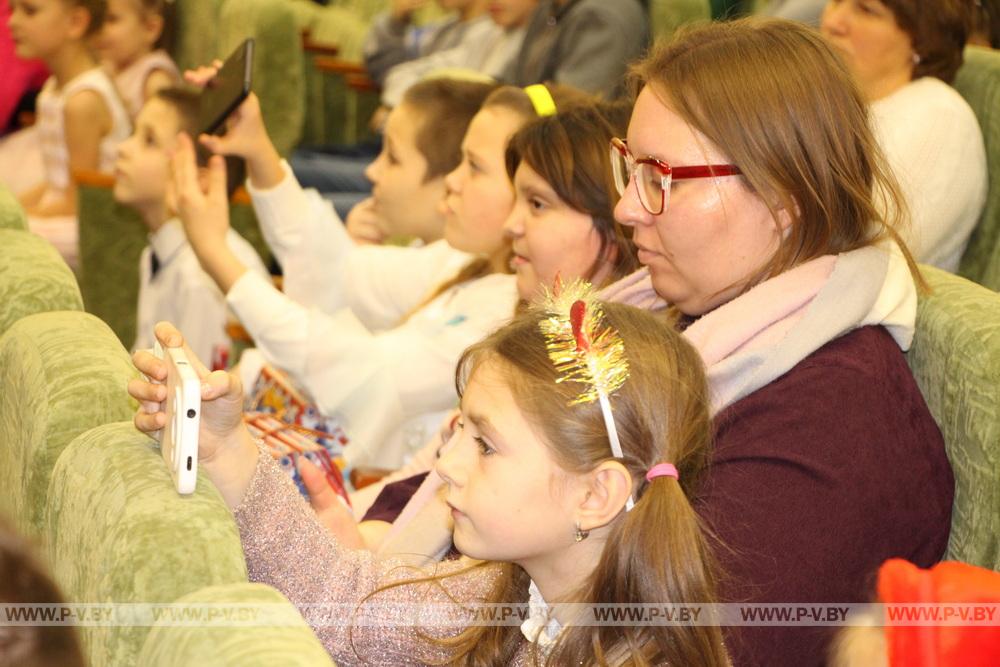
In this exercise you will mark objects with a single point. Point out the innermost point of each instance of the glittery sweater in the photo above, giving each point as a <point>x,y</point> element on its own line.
<point>287,548</point>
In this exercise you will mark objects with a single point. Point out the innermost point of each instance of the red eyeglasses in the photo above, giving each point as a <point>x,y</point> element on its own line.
<point>653,177</point>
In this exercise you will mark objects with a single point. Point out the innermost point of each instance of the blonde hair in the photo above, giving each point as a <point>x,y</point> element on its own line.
<point>658,550</point>
<point>775,98</point>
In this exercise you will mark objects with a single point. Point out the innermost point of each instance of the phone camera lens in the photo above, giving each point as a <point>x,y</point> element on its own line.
<point>191,414</point>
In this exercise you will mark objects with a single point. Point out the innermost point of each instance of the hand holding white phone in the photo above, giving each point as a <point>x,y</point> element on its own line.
<point>179,438</point>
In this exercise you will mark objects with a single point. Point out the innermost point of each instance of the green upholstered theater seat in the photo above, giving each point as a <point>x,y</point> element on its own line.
<point>33,278</point>
<point>956,360</point>
<point>197,33</point>
<point>61,373</point>
<point>666,16</point>
<point>978,80</point>
<point>277,70</point>
<point>292,645</point>
<point>112,237</point>
<point>11,214</point>
<point>117,531</point>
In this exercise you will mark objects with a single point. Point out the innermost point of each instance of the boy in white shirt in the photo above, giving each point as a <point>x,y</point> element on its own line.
<point>172,284</point>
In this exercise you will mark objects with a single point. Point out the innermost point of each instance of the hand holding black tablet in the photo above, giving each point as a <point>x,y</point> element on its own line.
<point>227,89</point>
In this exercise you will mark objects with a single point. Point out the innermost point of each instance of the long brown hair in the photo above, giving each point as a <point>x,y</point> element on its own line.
<point>656,552</point>
<point>775,98</point>
<point>938,30</point>
<point>570,152</point>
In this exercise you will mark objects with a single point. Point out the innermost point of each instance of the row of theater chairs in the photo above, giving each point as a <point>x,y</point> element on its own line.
<point>77,477</point>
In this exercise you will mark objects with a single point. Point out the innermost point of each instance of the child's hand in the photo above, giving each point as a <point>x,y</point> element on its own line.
<point>203,208</point>
<point>202,204</point>
<point>364,225</point>
<point>221,431</point>
<point>225,448</point>
<point>332,513</point>
<point>245,136</point>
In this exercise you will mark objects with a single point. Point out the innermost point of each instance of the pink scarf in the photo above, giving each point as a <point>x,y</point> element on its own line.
<point>759,336</point>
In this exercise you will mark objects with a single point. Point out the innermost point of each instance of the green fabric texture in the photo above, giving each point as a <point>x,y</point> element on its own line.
<point>277,68</point>
<point>197,32</point>
<point>292,645</point>
<point>956,360</point>
<point>112,238</point>
<point>117,531</point>
<point>11,213</point>
<point>978,81</point>
<point>666,16</point>
<point>33,278</point>
<point>61,373</point>
<point>331,107</point>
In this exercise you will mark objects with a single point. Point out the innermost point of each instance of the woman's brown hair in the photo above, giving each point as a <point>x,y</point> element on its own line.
<point>775,98</point>
<point>938,30</point>
<point>659,550</point>
<point>569,150</point>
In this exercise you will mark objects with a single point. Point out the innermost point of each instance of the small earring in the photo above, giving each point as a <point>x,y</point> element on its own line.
<point>580,535</point>
<point>916,58</point>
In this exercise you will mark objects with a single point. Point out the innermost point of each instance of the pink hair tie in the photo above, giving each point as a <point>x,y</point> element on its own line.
<point>662,470</point>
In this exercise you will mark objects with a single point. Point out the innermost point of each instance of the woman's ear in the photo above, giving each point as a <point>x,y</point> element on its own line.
<point>608,489</point>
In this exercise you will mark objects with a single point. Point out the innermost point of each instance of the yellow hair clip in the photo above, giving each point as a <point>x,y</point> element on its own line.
<point>541,99</point>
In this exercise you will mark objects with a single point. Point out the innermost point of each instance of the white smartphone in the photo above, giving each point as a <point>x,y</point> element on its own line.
<point>179,439</point>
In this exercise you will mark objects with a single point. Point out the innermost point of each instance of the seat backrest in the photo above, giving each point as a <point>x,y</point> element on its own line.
<point>292,644</point>
<point>33,278</point>
<point>11,214</point>
<point>666,16</point>
<point>956,360</point>
<point>117,531</point>
<point>61,373</point>
<point>197,33</point>
<point>112,237</point>
<point>978,81</point>
<point>277,69</point>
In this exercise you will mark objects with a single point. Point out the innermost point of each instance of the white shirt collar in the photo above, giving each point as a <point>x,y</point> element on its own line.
<point>167,241</point>
<point>540,627</point>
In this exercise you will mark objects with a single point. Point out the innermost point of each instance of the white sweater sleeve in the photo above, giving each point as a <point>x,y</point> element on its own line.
<point>325,269</point>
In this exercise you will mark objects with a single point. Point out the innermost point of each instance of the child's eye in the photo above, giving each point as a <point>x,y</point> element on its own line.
<point>484,447</point>
<point>536,204</point>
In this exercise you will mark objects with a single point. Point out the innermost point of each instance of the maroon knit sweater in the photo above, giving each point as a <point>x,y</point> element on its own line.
<point>816,479</point>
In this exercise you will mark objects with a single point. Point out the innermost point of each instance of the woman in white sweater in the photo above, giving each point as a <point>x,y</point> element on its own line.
<point>905,53</point>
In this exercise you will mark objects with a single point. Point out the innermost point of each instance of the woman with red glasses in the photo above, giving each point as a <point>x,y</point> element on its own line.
<point>756,193</point>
